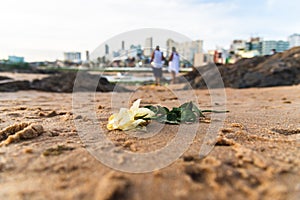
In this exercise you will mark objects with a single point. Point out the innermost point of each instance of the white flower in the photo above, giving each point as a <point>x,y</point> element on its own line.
<point>128,119</point>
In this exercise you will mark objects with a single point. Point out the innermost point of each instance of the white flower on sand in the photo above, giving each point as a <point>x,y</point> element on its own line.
<point>128,119</point>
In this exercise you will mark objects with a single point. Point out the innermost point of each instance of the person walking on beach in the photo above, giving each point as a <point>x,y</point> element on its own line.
<point>174,62</point>
<point>157,58</point>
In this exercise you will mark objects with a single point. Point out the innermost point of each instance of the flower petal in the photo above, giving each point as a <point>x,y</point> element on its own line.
<point>126,118</point>
<point>110,127</point>
<point>132,124</point>
<point>125,121</point>
<point>144,112</point>
<point>135,105</point>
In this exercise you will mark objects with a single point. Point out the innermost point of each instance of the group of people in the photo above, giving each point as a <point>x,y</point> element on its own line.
<point>157,59</point>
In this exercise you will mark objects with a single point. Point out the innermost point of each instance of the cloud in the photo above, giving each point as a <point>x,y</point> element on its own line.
<point>81,25</point>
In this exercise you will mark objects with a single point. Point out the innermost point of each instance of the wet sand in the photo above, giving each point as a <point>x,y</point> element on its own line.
<point>257,154</point>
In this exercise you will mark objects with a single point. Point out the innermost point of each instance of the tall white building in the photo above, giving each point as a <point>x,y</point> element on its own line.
<point>279,46</point>
<point>237,45</point>
<point>148,48</point>
<point>72,56</point>
<point>15,59</point>
<point>294,40</point>
<point>190,51</point>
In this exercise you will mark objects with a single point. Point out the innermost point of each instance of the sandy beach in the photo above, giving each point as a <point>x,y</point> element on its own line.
<point>256,155</point>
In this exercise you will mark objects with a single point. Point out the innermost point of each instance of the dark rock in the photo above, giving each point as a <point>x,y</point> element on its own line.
<point>64,82</point>
<point>4,78</point>
<point>13,86</point>
<point>264,71</point>
<point>83,81</point>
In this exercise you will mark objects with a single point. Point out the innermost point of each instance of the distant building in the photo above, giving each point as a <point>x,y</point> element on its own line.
<point>87,55</point>
<point>106,49</point>
<point>294,40</point>
<point>171,43</point>
<point>115,54</point>
<point>15,59</point>
<point>191,51</point>
<point>219,55</point>
<point>237,45</point>
<point>199,59</point>
<point>254,44</point>
<point>72,57</point>
<point>123,45</point>
<point>249,54</point>
<point>282,46</point>
<point>245,49</point>
<point>269,45</point>
<point>135,51</point>
<point>121,52</point>
<point>148,48</point>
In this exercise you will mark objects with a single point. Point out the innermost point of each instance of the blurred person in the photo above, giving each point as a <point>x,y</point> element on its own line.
<point>174,64</point>
<point>157,58</point>
<point>273,51</point>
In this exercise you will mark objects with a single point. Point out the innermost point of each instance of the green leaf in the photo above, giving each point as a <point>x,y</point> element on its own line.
<point>186,106</point>
<point>161,118</point>
<point>186,113</point>
<point>176,111</point>
<point>197,111</point>
<point>188,116</point>
<point>162,110</point>
<point>152,108</point>
<point>172,117</point>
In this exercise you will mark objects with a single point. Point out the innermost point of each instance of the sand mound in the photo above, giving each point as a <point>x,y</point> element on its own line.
<point>276,70</point>
<point>63,82</point>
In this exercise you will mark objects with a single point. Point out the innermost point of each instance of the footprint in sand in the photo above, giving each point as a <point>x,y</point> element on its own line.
<point>18,132</point>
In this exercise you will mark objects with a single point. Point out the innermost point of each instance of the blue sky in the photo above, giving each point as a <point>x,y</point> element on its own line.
<point>43,30</point>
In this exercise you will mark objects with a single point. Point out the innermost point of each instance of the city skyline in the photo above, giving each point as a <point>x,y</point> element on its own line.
<point>44,30</point>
